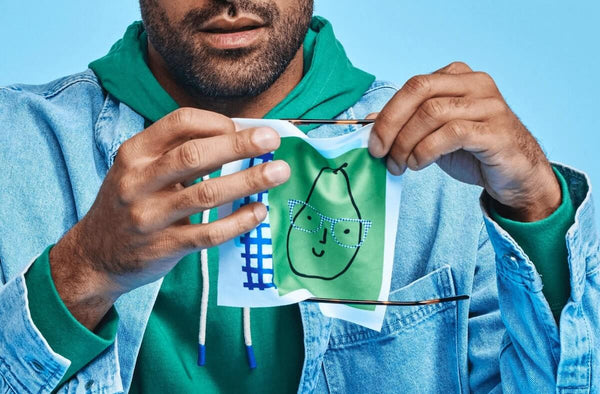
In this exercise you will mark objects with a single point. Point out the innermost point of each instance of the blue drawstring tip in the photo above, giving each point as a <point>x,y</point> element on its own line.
<point>251,359</point>
<point>201,355</point>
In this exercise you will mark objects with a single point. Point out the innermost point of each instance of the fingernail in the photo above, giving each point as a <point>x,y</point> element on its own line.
<point>277,172</point>
<point>393,167</point>
<point>265,138</point>
<point>375,145</point>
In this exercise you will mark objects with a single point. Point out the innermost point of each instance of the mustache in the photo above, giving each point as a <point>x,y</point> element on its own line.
<point>197,17</point>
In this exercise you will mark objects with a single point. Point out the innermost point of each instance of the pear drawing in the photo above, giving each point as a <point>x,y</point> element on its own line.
<point>326,229</point>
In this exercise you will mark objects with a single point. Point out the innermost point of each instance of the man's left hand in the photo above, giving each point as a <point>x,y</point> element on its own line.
<point>458,119</point>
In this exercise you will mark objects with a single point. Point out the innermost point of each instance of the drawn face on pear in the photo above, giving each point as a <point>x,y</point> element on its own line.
<point>320,245</point>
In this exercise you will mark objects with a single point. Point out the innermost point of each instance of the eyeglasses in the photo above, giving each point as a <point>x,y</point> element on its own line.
<point>329,121</point>
<point>344,231</point>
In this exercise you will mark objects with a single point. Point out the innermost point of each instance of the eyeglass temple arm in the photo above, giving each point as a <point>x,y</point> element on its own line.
<point>329,121</point>
<point>388,303</point>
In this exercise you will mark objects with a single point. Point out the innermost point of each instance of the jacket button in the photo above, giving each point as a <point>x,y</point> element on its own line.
<point>89,384</point>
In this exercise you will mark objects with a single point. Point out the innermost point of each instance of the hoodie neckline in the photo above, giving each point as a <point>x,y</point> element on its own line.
<point>329,86</point>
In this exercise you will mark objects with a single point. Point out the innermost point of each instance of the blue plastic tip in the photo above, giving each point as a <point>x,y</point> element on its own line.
<point>251,359</point>
<point>201,355</point>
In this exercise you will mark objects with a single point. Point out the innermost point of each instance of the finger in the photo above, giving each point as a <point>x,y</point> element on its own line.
<point>454,68</point>
<point>372,115</point>
<point>198,157</point>
<point>458,134</point>
<point>176,128</point>
<point>162,209</point>
<point>200,236</point>
<point>418,89</point>
<point>434,113</point>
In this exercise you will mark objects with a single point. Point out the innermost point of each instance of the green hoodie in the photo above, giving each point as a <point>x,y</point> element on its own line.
<point>167,358</point>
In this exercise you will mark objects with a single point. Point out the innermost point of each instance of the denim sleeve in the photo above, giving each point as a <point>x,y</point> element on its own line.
<point>27,363</point>
<point>538,241</point>
<point>62,331</point>
<point>534,355</point>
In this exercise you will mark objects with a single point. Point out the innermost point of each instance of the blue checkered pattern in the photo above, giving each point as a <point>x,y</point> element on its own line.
<point>257,245</point>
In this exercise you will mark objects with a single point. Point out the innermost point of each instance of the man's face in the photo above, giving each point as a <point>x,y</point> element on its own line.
<point>226,49</point>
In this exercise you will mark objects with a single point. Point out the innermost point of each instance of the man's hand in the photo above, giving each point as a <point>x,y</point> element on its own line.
<point>458,119</point>
<point>138,228</point>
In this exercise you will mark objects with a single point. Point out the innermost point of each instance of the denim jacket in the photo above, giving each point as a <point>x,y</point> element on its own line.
<point>58,142</point>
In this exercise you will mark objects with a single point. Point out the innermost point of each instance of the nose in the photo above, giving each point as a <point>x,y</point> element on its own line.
<point>324,240</point>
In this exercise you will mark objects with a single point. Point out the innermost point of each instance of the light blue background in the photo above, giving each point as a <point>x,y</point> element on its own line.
<point>543,55</point>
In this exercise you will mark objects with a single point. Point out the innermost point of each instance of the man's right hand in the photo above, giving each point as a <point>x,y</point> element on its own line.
<point>138,227</point>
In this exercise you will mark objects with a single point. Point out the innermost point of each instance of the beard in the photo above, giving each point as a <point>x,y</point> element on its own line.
<point>203,71</point>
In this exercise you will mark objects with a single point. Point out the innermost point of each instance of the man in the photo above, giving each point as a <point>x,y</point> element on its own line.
<point>99,194</point>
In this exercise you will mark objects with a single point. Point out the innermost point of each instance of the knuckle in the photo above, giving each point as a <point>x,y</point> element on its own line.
<point>181,118</point>
<point>418,85</point>
<point>486,79</point>
<point>432,109</point>
<point>481,127</point>
<point>214,236</point>
<point>459,102</point>
<point>124,189</point>
<point>258,180</point>
<point>385,120</point>
<point>456,128</point>
<point>459,67</point>
<point>190,155</point>
<point>246,220</point>
<point>240,143</point>
<point>138,219</point>
<point>499,106</point>
<point>208,194</point>
<point>223,123</point>
<point>121,160</point>
<point>183,201</point>
<point>124,155</point>
<point>124,149</point>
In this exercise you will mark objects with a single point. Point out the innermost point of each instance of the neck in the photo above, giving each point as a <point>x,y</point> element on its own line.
<point>244,107</point>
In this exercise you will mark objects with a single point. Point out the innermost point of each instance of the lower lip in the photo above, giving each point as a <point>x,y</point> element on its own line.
<point>234,40</point>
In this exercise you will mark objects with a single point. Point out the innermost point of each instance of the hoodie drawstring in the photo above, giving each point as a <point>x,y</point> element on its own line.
<point>248,338</point>
<point>204,307</point>
<point>205,291</point>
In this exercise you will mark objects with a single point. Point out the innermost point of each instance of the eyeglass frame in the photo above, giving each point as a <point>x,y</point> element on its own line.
<point>365,223</point>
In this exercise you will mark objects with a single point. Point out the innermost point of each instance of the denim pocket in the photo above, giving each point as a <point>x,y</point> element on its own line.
<point>416,350</point>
